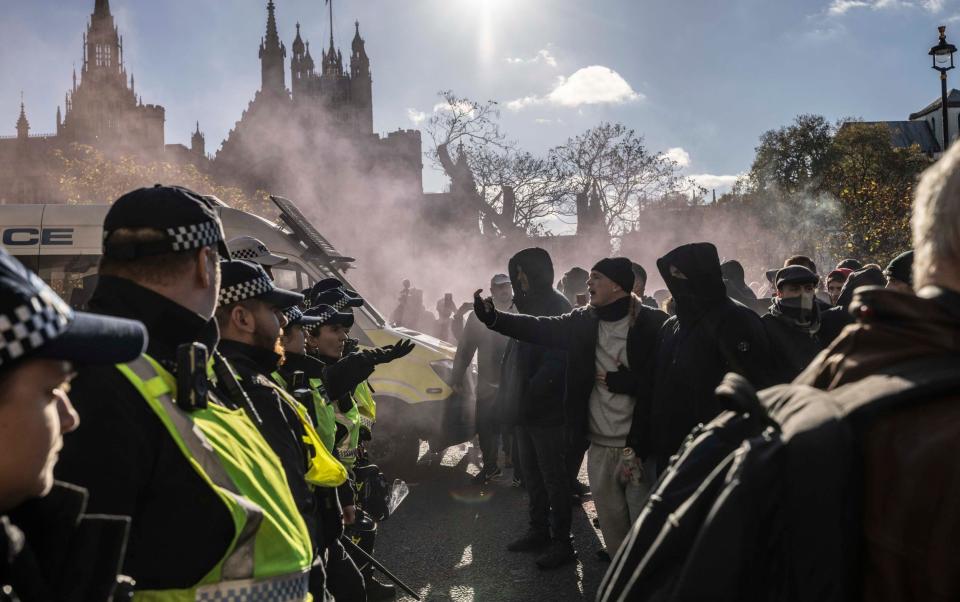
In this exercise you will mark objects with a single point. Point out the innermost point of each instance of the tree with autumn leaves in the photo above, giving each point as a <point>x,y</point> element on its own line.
<point>832,191</point>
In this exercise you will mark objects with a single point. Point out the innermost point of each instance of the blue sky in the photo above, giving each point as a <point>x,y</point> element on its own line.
<point>699,78</point>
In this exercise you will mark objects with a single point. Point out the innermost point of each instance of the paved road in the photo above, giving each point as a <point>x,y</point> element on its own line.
<point>448,540</point>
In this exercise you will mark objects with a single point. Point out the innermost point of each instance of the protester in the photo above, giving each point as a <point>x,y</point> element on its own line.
<point>640,286</point>
<point>531,399</point>
<point>188,472</point>
<point>835,281</point>
<point>574,283</point>
<point>51,548</point>
<point>609,345</point>
<point>850,264</point>
<point>709,336</point>
<point>838,317</point>
<point>793,322</point>
<point>736,286</point>
<point>899,273</point>
<point>489,348</point>
<point>909,508</point>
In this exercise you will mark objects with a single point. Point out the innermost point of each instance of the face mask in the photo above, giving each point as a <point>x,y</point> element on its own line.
<point>802,310</point>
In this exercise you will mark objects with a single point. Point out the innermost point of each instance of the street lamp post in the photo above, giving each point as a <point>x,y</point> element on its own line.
<point>942,55</point>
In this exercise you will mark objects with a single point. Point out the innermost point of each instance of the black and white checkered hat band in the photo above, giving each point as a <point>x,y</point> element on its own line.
<point>195,236</point>
<point>32,325</point>
<point>344,300</point>
<point>245,290</point>
<point>250,253</point>
<point>292,314</point>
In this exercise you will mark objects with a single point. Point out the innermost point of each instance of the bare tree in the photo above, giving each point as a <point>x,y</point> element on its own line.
<point>612,177</point>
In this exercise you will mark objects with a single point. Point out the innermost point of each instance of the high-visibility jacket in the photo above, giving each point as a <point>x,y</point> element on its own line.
<point>347,444</point>
<point>326,422</point>
<point>271,551</point>
<point>367,407</point>
<point>324,469</point>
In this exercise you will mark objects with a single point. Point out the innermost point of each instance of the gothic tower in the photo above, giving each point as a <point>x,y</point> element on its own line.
<point>361,84</point>
<point>23,126</point>
<point>198,143</point>
<point>272,55</point>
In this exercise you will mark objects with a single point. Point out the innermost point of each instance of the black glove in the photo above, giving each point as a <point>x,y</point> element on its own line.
<point>624,381</point>
<point>484,309</point>
<point>351,346</point>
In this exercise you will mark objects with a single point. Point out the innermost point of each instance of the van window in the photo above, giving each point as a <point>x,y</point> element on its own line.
<point>73,277</point>
<point>292,276</point>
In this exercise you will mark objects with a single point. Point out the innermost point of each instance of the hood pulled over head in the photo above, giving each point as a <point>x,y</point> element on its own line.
<point>536,265</point>
<point>692,273</point>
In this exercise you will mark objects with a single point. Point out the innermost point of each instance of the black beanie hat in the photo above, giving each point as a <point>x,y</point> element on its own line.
<point>901,268</point>
<point>618,269</point>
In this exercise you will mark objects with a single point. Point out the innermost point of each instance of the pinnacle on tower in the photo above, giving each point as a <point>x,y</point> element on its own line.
<point>23,126</point>
<point>101,9</point>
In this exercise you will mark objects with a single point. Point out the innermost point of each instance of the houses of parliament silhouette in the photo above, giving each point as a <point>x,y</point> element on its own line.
<point>305,140</point>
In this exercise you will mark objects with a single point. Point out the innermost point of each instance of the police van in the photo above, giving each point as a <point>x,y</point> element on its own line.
<point>415,400</point>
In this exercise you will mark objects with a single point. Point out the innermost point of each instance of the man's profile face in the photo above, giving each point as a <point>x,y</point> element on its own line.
<point>834,288</point>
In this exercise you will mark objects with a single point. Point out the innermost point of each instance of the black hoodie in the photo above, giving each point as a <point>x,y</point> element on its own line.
<point>838,317</point>
<point>532,376</point>
<point>710,336</point>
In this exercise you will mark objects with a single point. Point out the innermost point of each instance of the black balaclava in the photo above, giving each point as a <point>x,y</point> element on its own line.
<point>538,267</point>
<point>695,282</point>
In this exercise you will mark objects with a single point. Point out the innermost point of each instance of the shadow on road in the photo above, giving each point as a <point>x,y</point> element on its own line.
<point>448,539</point>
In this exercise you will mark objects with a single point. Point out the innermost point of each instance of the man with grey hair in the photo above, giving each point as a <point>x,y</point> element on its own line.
<point>910,503</point>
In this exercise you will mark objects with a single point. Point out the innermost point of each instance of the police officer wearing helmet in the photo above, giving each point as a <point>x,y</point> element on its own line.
<point>251,317</point>
<point>793,322</point>
<point>211,509</point>
<point>46,534</point>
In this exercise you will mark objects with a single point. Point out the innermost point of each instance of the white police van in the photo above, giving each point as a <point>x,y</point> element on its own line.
<point>415,400</point>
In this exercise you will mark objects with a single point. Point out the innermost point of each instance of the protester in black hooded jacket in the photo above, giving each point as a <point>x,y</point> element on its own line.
<point>531,399</point>
<point>710,336</point>
<point>734,280</point>
<point>834,320</point>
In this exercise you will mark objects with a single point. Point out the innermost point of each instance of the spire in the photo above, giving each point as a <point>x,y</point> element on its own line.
<point>101,9</point>
<point>272,54</point>
<point>272,39</point>
<point>357,40</point>
<point>59,119</point>
<point>198,128</point>
<point>330,3</point>
<point>23,126</point>
<point>133,88</point>
<point>74,77</point>
<point>298,46</point>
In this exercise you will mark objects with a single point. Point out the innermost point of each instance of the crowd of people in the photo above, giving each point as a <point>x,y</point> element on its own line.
<point>219,452</point>
<point>595,365</point>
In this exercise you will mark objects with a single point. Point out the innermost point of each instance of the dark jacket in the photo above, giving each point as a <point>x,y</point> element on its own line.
<point>911,510</point>
<point>489,348</point>
<point>127,460</point>
<point>735,284</point>
<point>51,550</point>
<point>279,423</point>
<point>710,336</point>
<point>576,334</point>
<point>532,377</point>
<point>792,348</point>
<point>838,317</point>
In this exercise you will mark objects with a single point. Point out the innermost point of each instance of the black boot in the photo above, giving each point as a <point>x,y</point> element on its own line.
<point>558,554</point>
<point>533,540</point>
<point>379,591</point>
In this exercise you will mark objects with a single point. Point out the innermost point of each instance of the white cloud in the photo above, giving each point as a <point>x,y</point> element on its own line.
<point>587,86</point>
<point>417,117</point>
<point>720,183</point>
<point>678,156</point>
<point>840,7</point>
<point>543,56</point>
<point>464,107</point>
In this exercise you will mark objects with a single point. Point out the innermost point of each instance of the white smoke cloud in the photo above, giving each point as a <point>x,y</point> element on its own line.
<point>841,7</point>
<point>587,86</point>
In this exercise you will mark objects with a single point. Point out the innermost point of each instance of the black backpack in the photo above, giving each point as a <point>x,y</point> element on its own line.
<point>763,502</point>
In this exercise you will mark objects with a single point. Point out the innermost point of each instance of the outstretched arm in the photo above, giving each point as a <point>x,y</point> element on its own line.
<point>549,331</point>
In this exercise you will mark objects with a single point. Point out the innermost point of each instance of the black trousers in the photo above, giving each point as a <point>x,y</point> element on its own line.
<point>488,432</point>
<point>344,580</point>
<point>543,456</point>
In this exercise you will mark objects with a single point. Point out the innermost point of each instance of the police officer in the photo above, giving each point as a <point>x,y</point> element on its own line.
<point>250,316</point>
<point>251,249</point>
<point>341,376</point>
<point>211,509</point>
<point>46,537</point>
<point>344,580</point>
